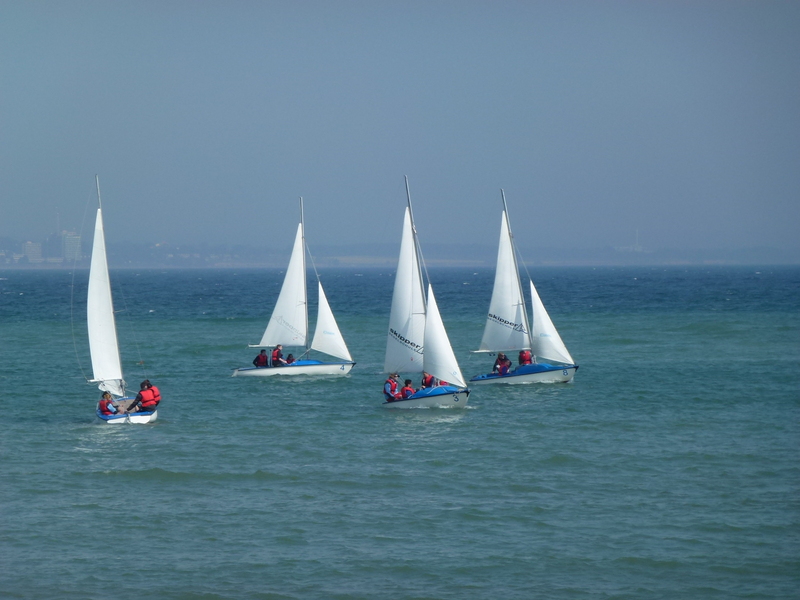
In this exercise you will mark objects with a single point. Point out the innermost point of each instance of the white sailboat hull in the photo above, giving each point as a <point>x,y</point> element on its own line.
<point>132,418</point>
<point>439,397</point>
<point>538,373</point>
<point>303,367</point>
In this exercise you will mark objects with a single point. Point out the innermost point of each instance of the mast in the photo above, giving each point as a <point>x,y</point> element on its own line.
<point>516,270</point>
<point>305,283</point>
<point>416,244</point>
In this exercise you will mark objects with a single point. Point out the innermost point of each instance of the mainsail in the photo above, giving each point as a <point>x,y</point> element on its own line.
<point>103,345</point>
<point>507,322</point>
<point>406,339</point>
<point>289,322</point>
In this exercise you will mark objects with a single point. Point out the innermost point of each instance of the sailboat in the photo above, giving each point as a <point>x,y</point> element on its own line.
<point>103,344</point>
<point>507,328</point>
<point>288,325</point>
<point>417,341</point>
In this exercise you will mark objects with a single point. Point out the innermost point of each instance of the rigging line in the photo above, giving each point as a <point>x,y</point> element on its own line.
<point>417,247</point>
<point>72,293</point>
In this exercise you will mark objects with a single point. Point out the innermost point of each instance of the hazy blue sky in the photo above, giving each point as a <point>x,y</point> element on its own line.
<point>206,120</point>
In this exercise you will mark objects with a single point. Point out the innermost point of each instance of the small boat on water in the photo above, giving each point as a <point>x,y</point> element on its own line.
<point>507,328</point>
<point>288,325</point>
<point>417,341</point>
<point>102,328</point>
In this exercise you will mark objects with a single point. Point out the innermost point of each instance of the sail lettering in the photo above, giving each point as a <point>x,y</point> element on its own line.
<point>515,326</point>
<point>407,343</point>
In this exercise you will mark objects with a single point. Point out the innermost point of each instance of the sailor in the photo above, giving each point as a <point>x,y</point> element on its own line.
<point>290,359</point>
<point>428,380</point>
<point>525,357</point>
<point>107,406</point>
<point>262,360</point>
<point>407,390</point>
<point>154,389</point>
<point>277,356</point>
<point>390,392</point>
<point>146,399</point>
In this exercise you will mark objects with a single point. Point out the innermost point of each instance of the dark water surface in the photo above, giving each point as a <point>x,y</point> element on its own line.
<point>668,469</point>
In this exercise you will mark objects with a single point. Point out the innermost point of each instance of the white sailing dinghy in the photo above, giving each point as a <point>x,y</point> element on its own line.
<point>103,345</point>
<point>288,325</point>
<point>507,328</point>
<point>417,339</point>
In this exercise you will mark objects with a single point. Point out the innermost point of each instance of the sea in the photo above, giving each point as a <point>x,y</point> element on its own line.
<point>669,467</point>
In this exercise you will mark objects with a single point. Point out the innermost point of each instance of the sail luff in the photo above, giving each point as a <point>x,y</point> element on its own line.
<point>327,336</point>
<point>288,324</point>
<point>101,325</point>
<point>440,360</point>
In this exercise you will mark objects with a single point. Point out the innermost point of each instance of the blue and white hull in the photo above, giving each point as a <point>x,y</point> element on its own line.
<point>301,367</point>
<point>445,396</point>
<point>135,418</point>
<point>536,373</point>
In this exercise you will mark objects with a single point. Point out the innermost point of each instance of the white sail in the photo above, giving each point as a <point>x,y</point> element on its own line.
<point>327,337</point>
<point>289,322</point>
<point>405,342</point>
<point>507,322</point>
<point>546,341</point>
<point>103,345</point>
<point>440,361</point>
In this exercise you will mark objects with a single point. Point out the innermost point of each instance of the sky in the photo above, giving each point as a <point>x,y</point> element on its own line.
<point>206,120</point>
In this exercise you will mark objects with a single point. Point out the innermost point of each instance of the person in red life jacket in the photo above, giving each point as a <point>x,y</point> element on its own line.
<point>525,357</point>
<point>154,389</point>
<point>277,356</point>
<point>290,359</point>
<point>407,390</point>
<point>428,380</point>
<point>502,364</point>
<point>146,398</point>
<point>390,391</point>
<point>262,360</point>
<point>107,405</point>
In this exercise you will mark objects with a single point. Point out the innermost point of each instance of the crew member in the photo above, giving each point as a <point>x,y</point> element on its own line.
<point>262,360</point>
<point>407,390</point>
<point>390,391</point>
<point>277,356</point>
<point>146,398</point>
<point>525,357</point>
<point>428,380</point>
<point>107,405</point>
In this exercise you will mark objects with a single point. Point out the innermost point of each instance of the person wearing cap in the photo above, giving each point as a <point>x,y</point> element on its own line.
<point>390,391</point>
<point>147,399</point>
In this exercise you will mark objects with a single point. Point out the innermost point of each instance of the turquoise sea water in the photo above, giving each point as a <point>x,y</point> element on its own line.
<point>668,469</point>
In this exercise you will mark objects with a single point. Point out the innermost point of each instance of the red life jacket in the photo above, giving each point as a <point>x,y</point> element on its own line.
<point>262,360</point>
<point>277,355</point>
<point>427,381</point>
<point>103,406</point>
<point>392,389</point>
<point>524,357</point>
<point>148,399</point>
<point>156,393</point>
<point>407,392</point>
